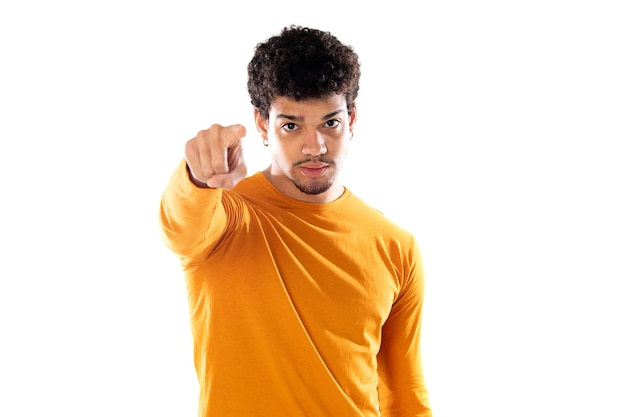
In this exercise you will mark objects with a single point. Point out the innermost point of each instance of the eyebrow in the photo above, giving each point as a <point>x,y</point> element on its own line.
<point>301,119</point>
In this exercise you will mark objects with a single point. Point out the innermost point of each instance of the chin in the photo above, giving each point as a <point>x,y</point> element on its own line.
<point>314,188</point>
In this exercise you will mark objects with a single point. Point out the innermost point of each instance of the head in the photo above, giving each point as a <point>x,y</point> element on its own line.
<point>302,63</point>
<point>303,84</point>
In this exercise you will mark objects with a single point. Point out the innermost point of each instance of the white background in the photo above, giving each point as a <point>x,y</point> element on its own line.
<point>492,130</point>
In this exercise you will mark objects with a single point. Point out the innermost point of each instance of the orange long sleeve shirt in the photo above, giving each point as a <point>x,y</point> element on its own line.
<point>297,309</point>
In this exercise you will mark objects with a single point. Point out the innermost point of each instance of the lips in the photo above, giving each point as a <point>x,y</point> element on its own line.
<point>313,170</point>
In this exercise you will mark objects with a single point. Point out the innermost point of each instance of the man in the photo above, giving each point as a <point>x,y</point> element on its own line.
<point>304,301</point>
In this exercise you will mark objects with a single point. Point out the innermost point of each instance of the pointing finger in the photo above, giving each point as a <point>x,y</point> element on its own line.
<point>227,138</point>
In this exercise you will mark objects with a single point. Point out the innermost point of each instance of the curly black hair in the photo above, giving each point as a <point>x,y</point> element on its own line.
<point>302,63</point>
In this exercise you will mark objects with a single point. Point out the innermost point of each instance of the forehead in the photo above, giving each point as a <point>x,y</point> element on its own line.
<point>309,108</point>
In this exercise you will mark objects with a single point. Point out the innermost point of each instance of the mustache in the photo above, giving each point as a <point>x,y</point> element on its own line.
<point>322,159</point>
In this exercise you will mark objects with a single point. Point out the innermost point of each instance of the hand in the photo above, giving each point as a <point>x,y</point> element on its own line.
<point>215,157</point>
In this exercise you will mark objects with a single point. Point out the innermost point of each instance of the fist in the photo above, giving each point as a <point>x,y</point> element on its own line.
<point>215,157</point>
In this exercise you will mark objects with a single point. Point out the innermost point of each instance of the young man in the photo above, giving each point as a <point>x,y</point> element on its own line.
<point>304,301</point>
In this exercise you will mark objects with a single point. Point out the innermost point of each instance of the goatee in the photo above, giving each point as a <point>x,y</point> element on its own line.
<point>314,189</point>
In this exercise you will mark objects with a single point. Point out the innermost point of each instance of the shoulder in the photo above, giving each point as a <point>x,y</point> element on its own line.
<point>371,216</point>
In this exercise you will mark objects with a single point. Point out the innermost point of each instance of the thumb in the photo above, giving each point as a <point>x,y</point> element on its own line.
<point>228,181</point>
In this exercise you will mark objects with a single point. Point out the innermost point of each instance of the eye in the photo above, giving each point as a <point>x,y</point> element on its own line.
<point>290,126</point>
<point>332,123</point>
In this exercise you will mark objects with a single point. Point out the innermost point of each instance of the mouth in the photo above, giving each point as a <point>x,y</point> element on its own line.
<point>313,170</point>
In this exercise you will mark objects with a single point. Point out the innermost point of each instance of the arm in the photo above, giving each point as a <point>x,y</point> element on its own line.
<point>192,216</point>
<point>402,388</point>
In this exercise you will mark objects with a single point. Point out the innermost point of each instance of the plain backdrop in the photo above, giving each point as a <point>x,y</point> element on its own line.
<point>494,131</point>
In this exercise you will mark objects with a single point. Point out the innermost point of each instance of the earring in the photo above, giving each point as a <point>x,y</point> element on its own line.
<point>351,135</point>
<point>265,142</point>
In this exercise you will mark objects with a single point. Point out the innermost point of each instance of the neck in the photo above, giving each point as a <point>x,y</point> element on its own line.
<point>289,189</point>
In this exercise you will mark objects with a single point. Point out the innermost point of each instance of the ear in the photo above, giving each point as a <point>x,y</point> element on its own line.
<point>260,123</point>
<point>353,116</point>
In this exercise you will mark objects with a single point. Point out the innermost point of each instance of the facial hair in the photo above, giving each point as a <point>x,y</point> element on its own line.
<point>316,187</point>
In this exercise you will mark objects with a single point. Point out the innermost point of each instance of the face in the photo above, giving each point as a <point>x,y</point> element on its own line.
<point>308,141</point>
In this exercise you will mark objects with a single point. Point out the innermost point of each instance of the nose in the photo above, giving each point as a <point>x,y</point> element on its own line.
<point>314,144</point>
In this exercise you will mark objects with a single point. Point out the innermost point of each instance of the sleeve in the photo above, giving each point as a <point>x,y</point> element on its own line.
<point>191,219</point>
<point>402,388</point>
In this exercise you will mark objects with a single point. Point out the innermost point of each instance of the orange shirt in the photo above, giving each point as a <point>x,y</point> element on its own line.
<point>297,309</point>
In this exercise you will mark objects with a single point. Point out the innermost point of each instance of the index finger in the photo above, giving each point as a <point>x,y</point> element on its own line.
<point>228,137</point>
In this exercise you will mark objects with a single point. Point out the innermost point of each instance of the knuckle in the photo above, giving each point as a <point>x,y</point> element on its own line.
<point>214,131</point>
<point>201,135</point>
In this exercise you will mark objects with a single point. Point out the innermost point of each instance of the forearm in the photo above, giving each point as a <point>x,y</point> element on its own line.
<point>402,386</point>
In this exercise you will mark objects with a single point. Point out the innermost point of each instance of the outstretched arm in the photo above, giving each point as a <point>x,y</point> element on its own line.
<point>192,217</point>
